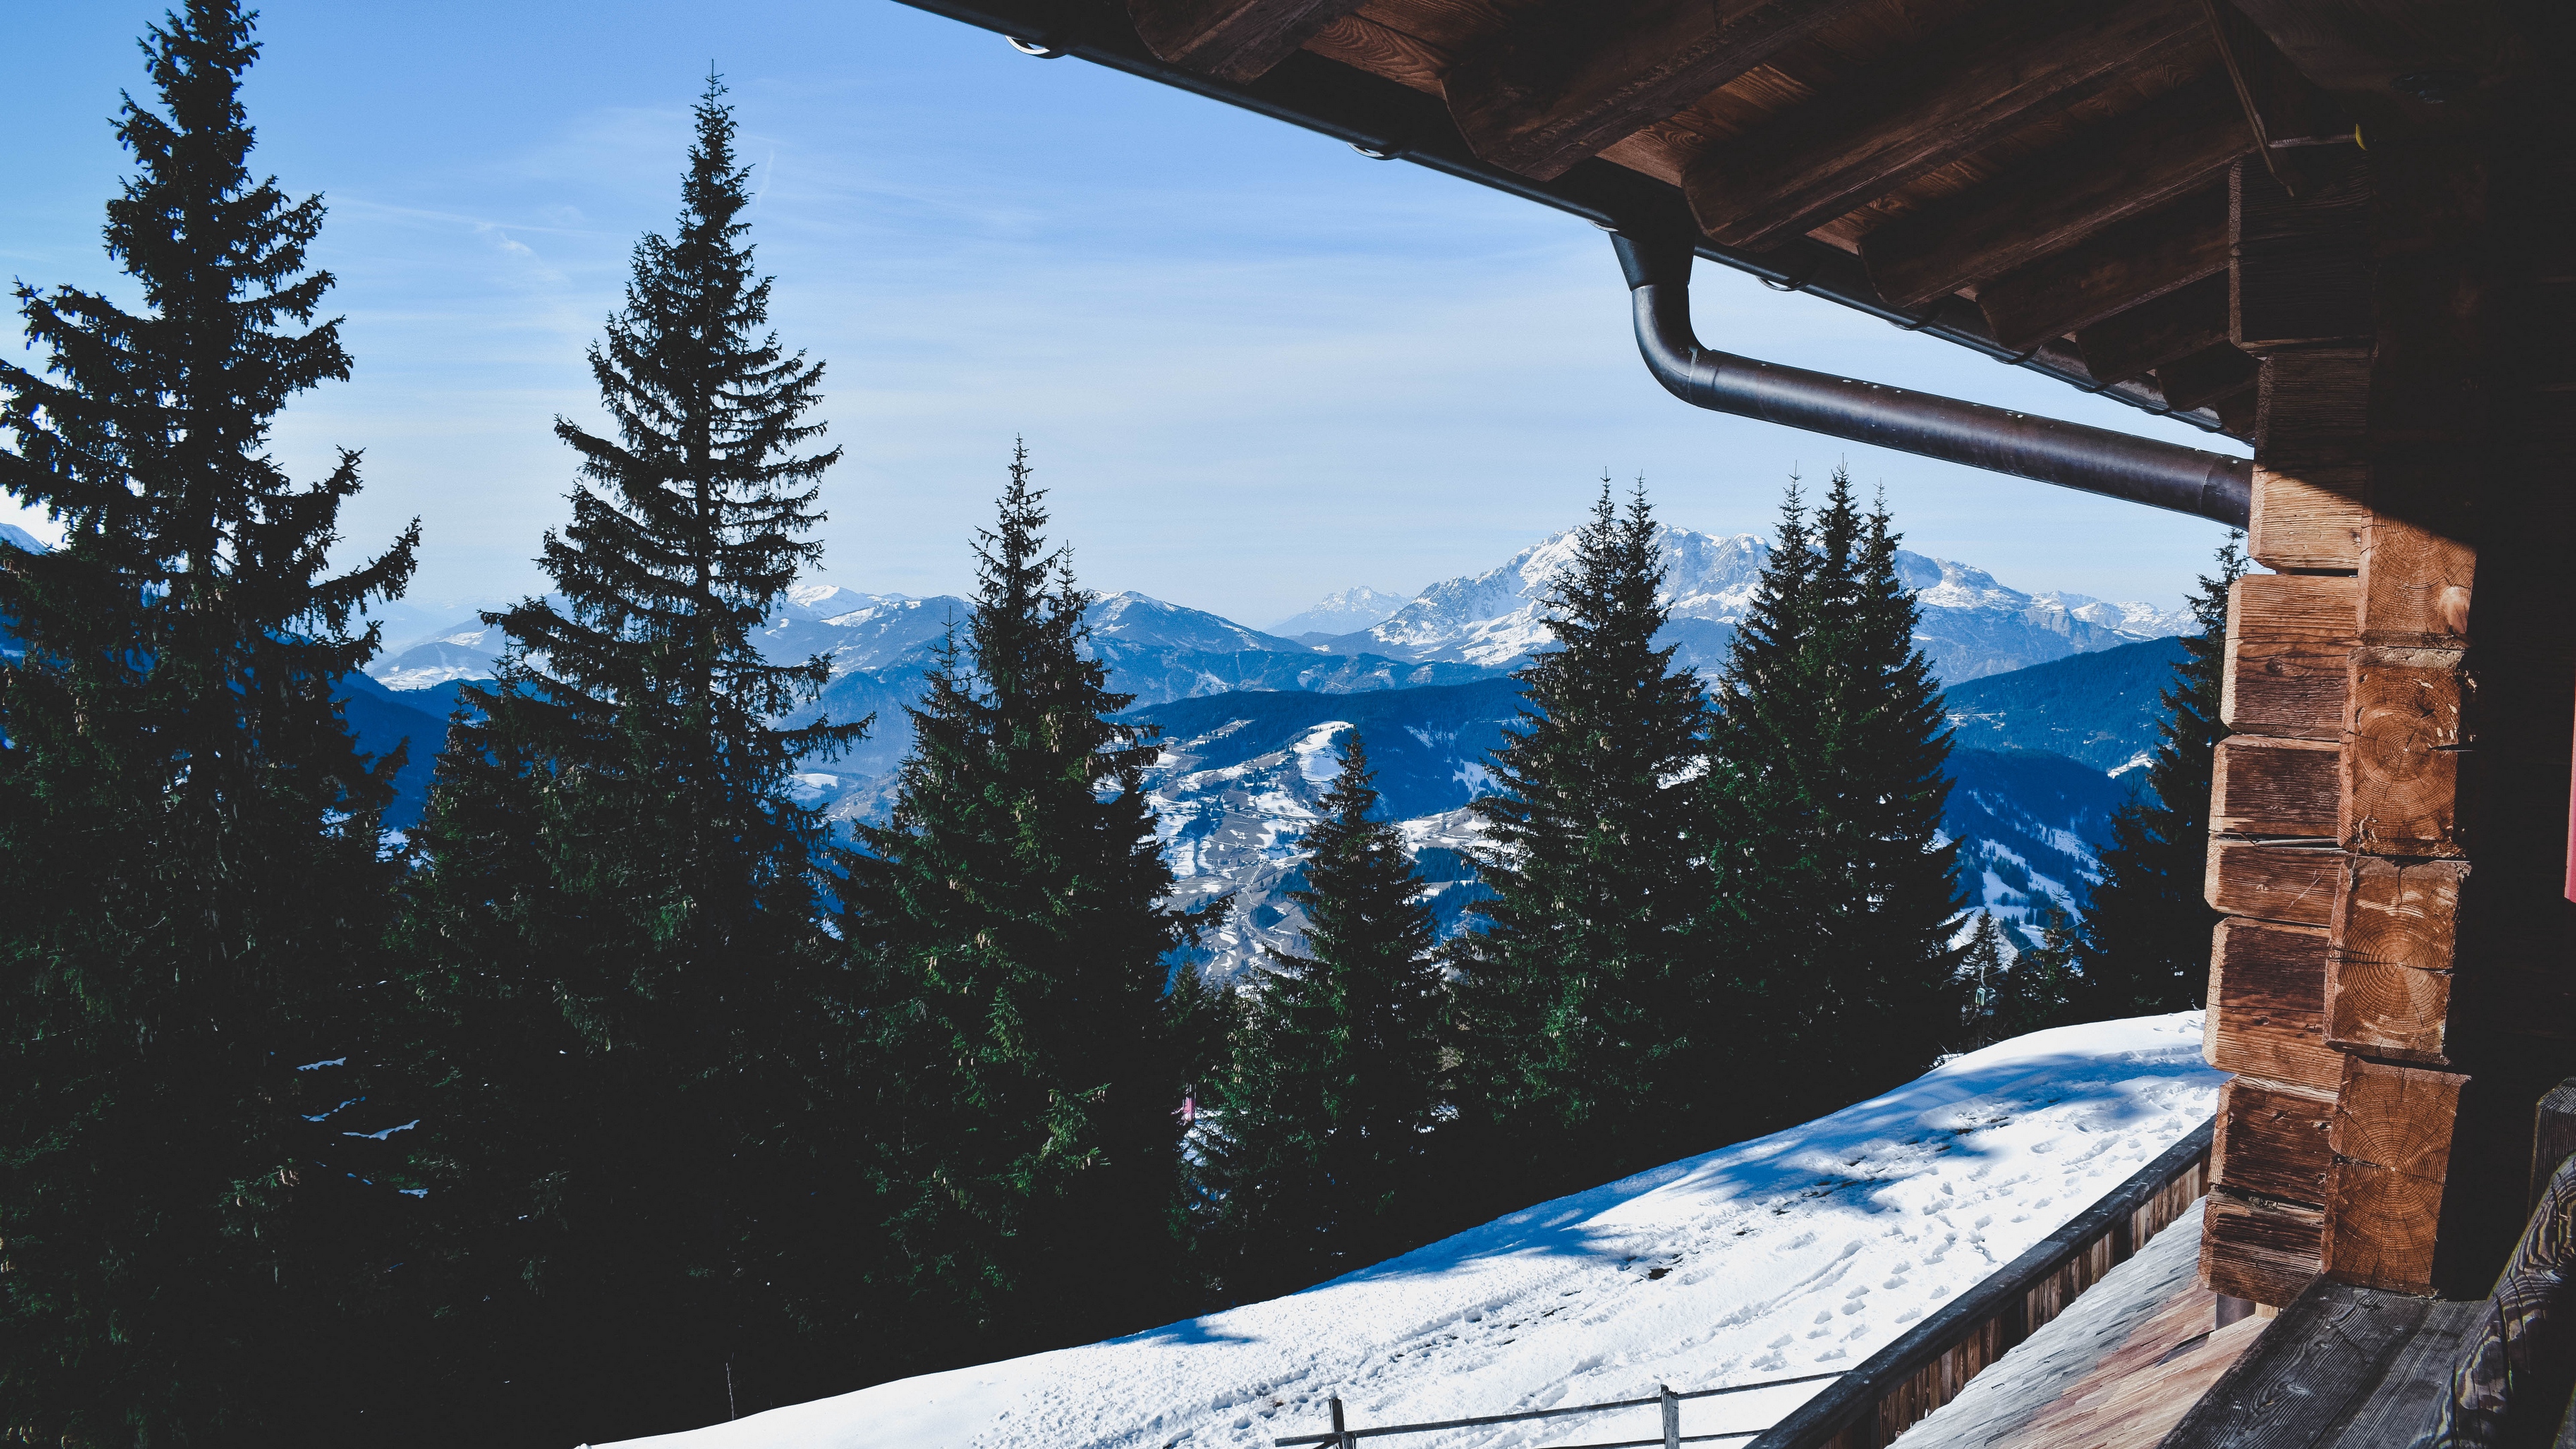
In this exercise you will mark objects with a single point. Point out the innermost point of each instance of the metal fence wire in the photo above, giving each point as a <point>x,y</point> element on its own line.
<point>1343,1437</point>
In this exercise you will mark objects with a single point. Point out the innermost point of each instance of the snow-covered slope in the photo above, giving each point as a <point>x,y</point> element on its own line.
<point>1803,1252</point>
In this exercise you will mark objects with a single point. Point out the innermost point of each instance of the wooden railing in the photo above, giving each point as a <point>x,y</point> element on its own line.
<point>1904,1382</point>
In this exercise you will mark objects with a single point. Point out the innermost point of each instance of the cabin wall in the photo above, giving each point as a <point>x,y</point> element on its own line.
<point>2393,986</point>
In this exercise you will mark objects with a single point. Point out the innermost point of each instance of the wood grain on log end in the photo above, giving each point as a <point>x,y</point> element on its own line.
<point>2290,639</point>
<point>2293,883</point>
<point>2401,761</point>
<point>2267,985</point>
<point>2392,1142</point>
<point>2389,961</point>
<point>2275,787</point>
<point>2271,1140</point>
<point>2266,1252</point>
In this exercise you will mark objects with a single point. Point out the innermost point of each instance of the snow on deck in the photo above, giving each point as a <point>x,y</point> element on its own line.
<point>1798,1253</point>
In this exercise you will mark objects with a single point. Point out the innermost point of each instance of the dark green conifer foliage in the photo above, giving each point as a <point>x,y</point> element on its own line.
<point>1318,1128</point>
<point>631,990</point>
<point>2043,988</point>
<point>1010,912</point>
<point>1584,1004</point>
<point>1824,792</point>
<point>2146,931</point>
<point>187,830</point>
<point>1981,977</point>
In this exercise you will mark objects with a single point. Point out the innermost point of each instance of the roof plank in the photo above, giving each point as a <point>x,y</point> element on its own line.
<point>2205,376</point>
<point>1922,107</point>
<point>2162,329</point>
<point>2114,269</point>
<point>2138,161</point>
<point>1560,84</point>
<point>1236,40</point>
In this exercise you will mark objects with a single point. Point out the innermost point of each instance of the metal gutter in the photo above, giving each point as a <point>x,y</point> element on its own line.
<point>1386,121</point>
<point>2070,455</point>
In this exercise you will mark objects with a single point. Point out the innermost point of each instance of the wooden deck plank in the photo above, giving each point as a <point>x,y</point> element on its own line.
<point>2307,1374</point>
<point>2113,1372</point>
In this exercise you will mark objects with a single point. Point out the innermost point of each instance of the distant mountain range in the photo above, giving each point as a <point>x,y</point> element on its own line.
<point>1481,625</point>
<point>1972,625</point>
<point>2053,701</point>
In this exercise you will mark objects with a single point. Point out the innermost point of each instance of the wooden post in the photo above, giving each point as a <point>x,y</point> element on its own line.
<point>1341,1437</point>
<point>1672,1416</point>
<point>2390,993</point>
<point>2298,303</point>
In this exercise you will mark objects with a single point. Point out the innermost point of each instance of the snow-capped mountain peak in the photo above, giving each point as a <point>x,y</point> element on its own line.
<point>1133,618</point>
<point>1973,625</point>
<point>2134,618</point>
<point>1346,612</point>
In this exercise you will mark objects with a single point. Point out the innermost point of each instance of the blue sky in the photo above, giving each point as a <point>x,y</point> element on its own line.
<point>1252,366</point>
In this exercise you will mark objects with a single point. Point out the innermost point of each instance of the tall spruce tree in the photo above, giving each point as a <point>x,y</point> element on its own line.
<point>621,929</point>
<point>1317,1128</point>
<point>1585,1008</point>
<point>1824,795</point>
<point>188,831</point>
<point>1981,978</point>
<point>1010,914</point>
<point>2144,944</point>
<point>2043,988</point>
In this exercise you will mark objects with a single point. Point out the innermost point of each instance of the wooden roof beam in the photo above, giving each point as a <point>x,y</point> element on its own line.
<point>2109,272</point>
<point>2204,377</point>
<point>2401,69</point>
<point>1920,108</point>
<point>2290,116</point>
<point>2138,161</point>
<point>1236,40</point>
<point>1565,80</point>
<point>2160,330</point>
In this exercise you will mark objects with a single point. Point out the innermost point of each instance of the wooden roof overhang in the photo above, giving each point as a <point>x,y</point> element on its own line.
<point>2041,182</point>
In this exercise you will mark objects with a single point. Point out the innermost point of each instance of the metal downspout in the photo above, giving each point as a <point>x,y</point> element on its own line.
<point>2071,455</point>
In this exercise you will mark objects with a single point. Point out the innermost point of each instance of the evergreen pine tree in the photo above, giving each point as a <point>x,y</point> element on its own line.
<point>1981,975</point>
<point>1319,1125</point>
<point>1010,915</point>
<point>2043,987</point>
<point>621,931</point>
<point>2145,938</point>
<point>1585,1001</point>
<point>188,830</point>
<point>1824,793</point>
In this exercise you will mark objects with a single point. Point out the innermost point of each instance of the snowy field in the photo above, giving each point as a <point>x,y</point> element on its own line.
<point>1799,1253</point>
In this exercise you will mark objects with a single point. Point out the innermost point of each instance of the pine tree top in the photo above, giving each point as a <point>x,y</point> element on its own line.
<point>148,448</point>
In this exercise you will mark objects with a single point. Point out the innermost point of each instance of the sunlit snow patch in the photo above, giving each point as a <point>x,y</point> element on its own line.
<point>1800,1252</point>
